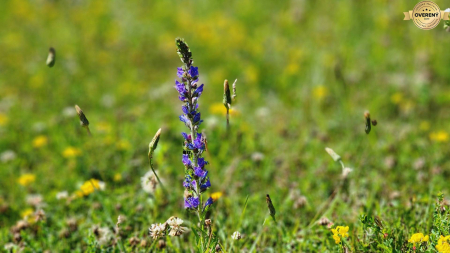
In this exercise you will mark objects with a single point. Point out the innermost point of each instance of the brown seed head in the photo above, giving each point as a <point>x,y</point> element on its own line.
<point>367,115</point>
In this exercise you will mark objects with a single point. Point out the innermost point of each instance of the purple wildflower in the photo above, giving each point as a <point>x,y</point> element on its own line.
<point>197,120</point>
<point>186,136</point>
<point>185,109</point>
<point>209,202</point>
<point>180,72</point>
<point>184,119</point>
<point>198,91</point>
<point>200,173</point>
<point>191,202</point>
<point>193,71</point>
<point>205,185</point>
<point>186,161</point>
<point>201,162</point>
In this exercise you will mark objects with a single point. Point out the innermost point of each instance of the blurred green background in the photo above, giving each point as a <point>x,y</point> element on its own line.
<point>306,70</point>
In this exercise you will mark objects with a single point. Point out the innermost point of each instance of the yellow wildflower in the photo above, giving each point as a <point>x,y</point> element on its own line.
<point>336,238</point>
<point>216,195</point>
<point>27,179</point>
<point>117,177</point>
<point>89,187</point>
<point>440,136</point>
<point>3,119</point>
<point>123,145</point>
<point>71,152</point>
<point>26,213</point>
<point>219,109</point>
<point>443,244</point>
<point>417,238</point>
<point>40,141</point>
<point>320,92</point>
<point>396,98</point>
<point>338,232</point>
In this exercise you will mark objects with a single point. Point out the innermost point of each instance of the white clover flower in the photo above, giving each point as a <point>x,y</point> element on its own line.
<point>69,112</point>
<point>157,230</point>
<point>236,236</point>
<point>35,200</point>
<point>175,226</point>
<point>62,195</point>
<point>149,182</point>
<point>103,235</point>
<point>7,156</point>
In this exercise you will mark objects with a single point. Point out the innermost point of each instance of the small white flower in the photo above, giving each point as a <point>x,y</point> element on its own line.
<point>35,200</point>
<point>157,230</point>
<point>236,236</point>
<point>345,172</point>
<point>101,185</point>
<point>149,182</point>
<point>62,195</point>
<point>103,235</point>
<point>9,246</point>
<point>175,226</point>
<point>333,154</point>
<point>69,112</point>
<point>7,156</point>
<point>447,10</point>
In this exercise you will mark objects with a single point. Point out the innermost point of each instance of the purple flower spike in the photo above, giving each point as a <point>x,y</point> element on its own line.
<point>186,161</point>
<point>198,142</point>
<point>201,162</point>
<point>193,72</point>
<point>200,173</point>
<point>209,202</point>
<point>180,87</point>
<point>180,72</point>
<point>185,109</point>
<point>191,202</point>
<point>184,119</point>
<point>205,185</point>
<point>198,91</point>
<point>186,136</point>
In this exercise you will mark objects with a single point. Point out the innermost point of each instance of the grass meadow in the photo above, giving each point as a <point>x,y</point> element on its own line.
<point>306,72</point>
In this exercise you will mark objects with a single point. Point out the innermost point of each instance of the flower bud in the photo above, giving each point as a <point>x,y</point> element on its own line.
<point>333,154</point>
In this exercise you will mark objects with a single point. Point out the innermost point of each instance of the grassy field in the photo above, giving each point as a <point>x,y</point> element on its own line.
<point>306,70</point>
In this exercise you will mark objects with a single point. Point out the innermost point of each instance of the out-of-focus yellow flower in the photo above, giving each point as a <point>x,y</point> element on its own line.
<point>27,215</point>
<point>292,68</point>
<point>418,238</point>
<point>320,92</point>
<point>71,152</point>
<point>123,145</point>
<point>439,136</point>
<point>89,187</point>
<point>27,179</point>
<point>219,109</point>
<point>443,244</point>
<point>3,119</point>
<point>424,125</point>
<point>216,195</point>
<point>40,141</point>
<point>397,98</point>
<point>103,127</point>
<point>338,232</point>
<point>117,177</point>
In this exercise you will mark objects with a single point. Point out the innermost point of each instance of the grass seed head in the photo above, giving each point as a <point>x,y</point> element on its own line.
<point>333,154</point>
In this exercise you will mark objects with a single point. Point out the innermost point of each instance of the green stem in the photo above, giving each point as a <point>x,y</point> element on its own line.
<point>150,158</point>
